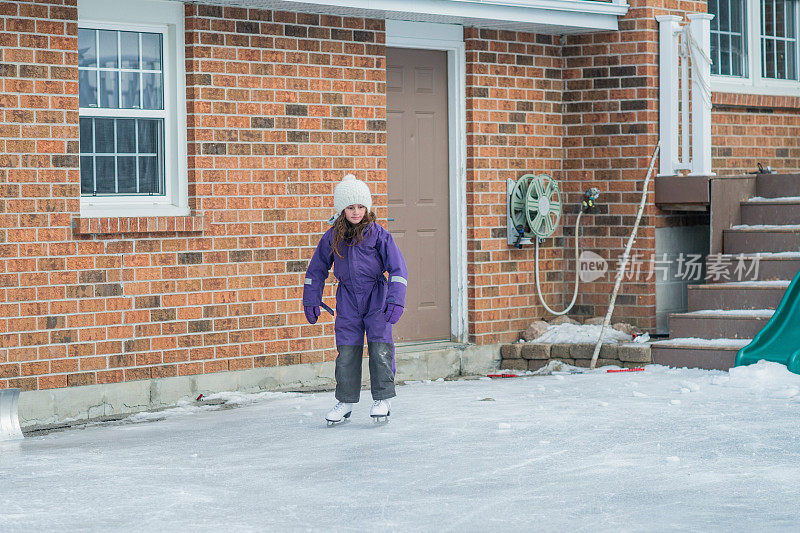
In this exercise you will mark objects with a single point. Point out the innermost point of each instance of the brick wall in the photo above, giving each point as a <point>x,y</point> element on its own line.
<point>611,121</point>
<point>39,190</point>
<point>748,129</point>
<point>279,106</point>
<point>611,118</point>
<point>514,92</point>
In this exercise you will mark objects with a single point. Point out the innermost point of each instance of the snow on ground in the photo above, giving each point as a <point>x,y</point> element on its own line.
<point>787,199</point>
<point>697,341</point>
<point>767,226</point>
<point>768,255</point>
<point>734,312</point>
<point>777,283</point>
<point>658,450</point>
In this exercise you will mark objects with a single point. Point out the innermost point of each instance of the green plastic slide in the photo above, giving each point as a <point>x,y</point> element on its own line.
<point>779,340</point>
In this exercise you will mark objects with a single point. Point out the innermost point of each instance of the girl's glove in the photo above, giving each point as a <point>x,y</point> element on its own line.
<point>312,313</point>
<point>392,312</point>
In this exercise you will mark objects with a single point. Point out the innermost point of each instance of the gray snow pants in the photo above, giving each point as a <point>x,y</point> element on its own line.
<point>348,371</point>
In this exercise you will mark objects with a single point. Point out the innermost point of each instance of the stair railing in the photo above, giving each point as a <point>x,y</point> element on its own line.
<point>684,62</point>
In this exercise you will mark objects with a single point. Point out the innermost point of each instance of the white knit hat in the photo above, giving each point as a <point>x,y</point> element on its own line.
<point>351,191</point>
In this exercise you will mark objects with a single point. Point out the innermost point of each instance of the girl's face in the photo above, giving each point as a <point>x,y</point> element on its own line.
<point>354,213</point>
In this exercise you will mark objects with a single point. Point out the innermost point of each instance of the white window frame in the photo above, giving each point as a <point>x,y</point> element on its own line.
<point>755,83</point>
<point>151,16</point>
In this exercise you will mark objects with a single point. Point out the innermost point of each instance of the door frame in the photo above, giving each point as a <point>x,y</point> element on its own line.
<point>448,38</point>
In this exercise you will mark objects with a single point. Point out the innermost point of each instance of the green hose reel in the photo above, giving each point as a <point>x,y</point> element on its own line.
<point>534,208</point>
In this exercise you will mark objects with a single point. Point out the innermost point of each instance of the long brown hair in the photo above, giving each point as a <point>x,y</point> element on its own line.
<point>350,234</point>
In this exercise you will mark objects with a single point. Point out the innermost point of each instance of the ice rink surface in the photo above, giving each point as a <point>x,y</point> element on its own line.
<point>659,450</point>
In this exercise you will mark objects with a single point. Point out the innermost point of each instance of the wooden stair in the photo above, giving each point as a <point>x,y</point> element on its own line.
<point>723,315</point>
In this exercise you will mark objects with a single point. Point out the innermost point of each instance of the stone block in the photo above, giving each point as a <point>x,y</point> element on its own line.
<point>535,351</point>
<point>510,351</point>
<point>563,319</point>
<point>633,365</point>
<point>609,351</point>
<point>581,351</point>
<point>535,330</point>
<point>560,352</point>
<point>634,353</point>
<point>514,364</point>
<point>585,363</point>
<point>536,364</point>
<point>608,362</point>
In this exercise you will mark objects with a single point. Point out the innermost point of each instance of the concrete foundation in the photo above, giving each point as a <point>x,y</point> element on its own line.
<point>414,362</point>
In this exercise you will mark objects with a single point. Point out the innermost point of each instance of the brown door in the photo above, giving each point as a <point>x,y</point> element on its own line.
<point>419,218</point>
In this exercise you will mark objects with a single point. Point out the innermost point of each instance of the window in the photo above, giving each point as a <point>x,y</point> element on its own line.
<point>121,71</point>
<point>728,42</point>
<point>779,39</point>
<point>132,123</point>
<point>754,46</point>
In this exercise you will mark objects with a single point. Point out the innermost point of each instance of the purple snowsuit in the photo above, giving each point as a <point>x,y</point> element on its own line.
<point>360,300</point>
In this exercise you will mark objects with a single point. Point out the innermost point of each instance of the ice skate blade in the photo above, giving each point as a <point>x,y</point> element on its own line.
<point>332,423</point>
<point>381,419</point>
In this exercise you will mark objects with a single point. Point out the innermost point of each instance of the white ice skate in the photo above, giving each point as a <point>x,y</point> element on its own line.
<point>380,411</point>
<point>340,413</point>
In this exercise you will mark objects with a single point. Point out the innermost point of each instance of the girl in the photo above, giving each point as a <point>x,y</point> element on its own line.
<point>360,251</point>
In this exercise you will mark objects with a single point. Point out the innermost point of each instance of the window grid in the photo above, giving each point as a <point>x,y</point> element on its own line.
<point>120,70</point>
<point>116,154</point>
<point>733,67</point>
<point>771,66</point>
<point>147,168</point>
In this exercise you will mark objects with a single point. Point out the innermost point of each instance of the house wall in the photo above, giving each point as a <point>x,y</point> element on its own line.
<point>514,126</point>
<point>279,106</point>
<point>45,322</point>
<point>748,129</point>
<point>611,120</point>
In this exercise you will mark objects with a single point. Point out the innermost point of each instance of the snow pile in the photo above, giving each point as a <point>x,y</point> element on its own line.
<point>773,255</point>
<point>771,283</point>
<point>239,399</point>
<point>766,226</point>
<point>787,199</point>
<point>182,409</point>
<point>212,402</point>
<point>553,367</point>
<point>734,312</point>
<point>768,378</point>
<point>580,334</point>
<point>710,343</point>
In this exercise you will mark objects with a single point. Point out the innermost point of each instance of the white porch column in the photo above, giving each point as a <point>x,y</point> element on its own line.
<point>668,118</point>
<point>700,29</point>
